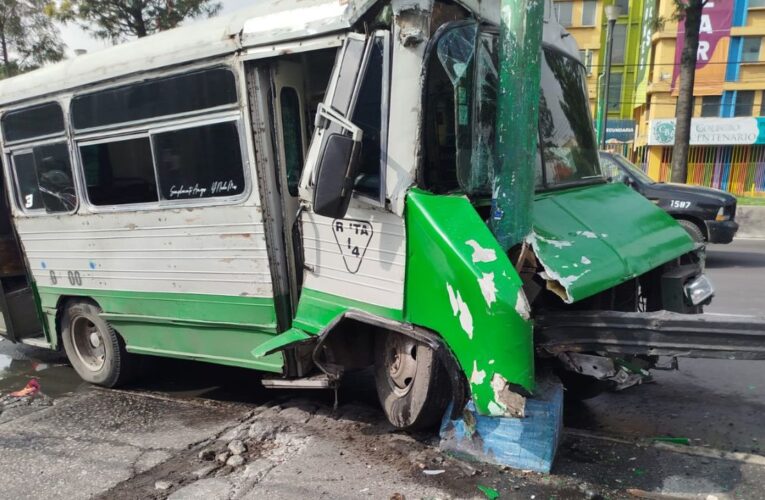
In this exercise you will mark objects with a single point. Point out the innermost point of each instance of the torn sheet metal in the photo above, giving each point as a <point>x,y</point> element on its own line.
<point>585,250</point>
<point>461,284</point>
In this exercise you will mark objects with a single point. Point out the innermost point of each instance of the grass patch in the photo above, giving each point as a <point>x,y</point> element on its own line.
<point>751,200</point>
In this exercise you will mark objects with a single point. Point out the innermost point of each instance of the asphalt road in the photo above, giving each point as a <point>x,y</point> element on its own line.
<point>697,401</point>
<point>81,441</point>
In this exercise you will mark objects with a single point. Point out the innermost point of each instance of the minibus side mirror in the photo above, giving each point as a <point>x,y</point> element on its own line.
<point>338,163</point>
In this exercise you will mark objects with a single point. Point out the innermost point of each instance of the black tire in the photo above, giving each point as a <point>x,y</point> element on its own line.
<point>418,398</point>
<point>580,387</point>
<point>95,350</point>
<point>693,230</point>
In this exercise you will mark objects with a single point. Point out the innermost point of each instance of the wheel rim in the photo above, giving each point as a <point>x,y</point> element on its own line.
<point>401,363</point>
<point>88,341</point>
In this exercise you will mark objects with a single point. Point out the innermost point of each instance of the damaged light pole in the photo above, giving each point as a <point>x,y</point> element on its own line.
<point>520,44</point>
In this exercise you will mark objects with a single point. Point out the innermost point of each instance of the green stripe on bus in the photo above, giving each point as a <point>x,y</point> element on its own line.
<point>218,329</point>
<point>254,311</point>
<point>317,309</point>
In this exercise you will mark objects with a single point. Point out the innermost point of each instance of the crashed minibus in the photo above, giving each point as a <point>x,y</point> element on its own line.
<point>307,188</point>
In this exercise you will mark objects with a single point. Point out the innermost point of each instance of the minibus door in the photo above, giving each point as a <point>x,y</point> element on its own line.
<point>19,320</point>
<point>288,87</point>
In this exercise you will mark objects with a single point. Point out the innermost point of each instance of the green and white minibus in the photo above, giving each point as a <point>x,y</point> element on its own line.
<point>303,188</point>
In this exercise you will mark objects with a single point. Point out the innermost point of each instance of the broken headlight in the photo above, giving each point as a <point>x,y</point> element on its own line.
<point>699,290</point>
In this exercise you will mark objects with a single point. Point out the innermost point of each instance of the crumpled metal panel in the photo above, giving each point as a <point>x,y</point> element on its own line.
<point>593,238</point>
<point>460,283</point>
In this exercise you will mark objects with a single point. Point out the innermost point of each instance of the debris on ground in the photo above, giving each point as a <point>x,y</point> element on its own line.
<point>435,472</point>
<point>29,395</point>
<point>32,388</point>
<point>490,493</point>
<point>163,485</point>
<point>673,440</point>
<point>237,447</point>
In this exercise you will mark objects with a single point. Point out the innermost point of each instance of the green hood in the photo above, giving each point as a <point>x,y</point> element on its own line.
<point>592,238</point>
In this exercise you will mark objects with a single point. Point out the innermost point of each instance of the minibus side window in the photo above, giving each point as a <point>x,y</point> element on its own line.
<point>155,98</point>
<point>368,116</point>
<point>54,176</point>
<point>293,138</point>
<point>38,121</point>
<point>119,172</point>
<point>42,170</point>
<point>27,191</point>
<point>44,179</point>
<point>199,162</point>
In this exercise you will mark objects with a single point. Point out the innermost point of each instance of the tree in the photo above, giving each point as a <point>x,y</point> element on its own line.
<point>688,11</point>
<point>120,19</point>
<point>28,37</point>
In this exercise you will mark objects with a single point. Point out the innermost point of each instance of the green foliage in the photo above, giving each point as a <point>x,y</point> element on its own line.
<point>682,5</point>
<point>120,19</point>
<point>758,200</point>
<point>28,37</point>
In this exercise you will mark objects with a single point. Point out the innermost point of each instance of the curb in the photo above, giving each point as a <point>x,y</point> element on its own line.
<point>751,221</point>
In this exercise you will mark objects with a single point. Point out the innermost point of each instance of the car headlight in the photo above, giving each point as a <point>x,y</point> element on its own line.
<point>721,215</point>
<point>699,290</point>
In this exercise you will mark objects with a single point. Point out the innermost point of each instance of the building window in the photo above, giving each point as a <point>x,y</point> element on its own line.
<point>750,51</point>
<point>119,172</point>
<point>619,43</point>
<point>744,102</point>
<point>756,3</point>
<point>624,6</point>
<point>199,162</point>
<point>564,11</point>
<point>589,8</point>
<point>710,105</point>
<point>615,92</point>
<point>762,104</point>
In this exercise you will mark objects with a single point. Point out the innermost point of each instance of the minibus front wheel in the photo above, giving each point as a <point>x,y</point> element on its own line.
<point>412,384</point>
<point>95,350</point>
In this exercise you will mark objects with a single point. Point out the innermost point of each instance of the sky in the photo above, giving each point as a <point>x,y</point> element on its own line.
<point>74,37</point>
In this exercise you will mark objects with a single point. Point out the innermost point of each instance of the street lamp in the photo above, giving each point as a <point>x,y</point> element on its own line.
<point>612,14</point>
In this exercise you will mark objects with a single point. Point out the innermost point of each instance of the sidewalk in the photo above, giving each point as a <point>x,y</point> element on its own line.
<point>751,220</point>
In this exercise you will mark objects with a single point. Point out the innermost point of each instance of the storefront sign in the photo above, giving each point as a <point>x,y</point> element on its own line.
<point>620,130</point>
<point>710,131</point>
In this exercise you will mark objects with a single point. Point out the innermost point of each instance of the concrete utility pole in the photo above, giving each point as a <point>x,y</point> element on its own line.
<point>520,46</point>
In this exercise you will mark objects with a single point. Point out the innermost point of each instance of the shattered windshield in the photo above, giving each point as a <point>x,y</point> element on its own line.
<point>568,147</point>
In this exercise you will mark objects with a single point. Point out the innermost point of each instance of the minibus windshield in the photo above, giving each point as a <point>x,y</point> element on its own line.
<point>568,152</point>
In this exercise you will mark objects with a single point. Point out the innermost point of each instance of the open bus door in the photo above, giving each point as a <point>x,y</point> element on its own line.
<point>19,320</point>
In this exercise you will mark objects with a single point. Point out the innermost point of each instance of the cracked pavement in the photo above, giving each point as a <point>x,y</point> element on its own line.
<point>145,441</point>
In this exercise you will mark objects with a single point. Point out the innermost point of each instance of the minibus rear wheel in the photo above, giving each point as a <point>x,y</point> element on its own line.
<point>94,349</point>
<point>412,384</point>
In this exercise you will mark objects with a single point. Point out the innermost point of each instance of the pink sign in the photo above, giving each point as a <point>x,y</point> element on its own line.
<point>714,39</point>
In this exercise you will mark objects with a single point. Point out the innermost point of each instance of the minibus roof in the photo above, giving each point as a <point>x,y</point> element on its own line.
<point>267,22</point>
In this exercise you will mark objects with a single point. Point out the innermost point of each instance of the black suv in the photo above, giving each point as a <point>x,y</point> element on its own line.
<point>707,214</point>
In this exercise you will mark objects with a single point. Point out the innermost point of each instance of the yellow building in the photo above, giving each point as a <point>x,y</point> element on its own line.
<point>728,130</point>
<point>586,22</point>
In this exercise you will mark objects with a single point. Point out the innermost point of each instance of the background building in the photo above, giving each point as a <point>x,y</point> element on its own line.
<point>728,131</point>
